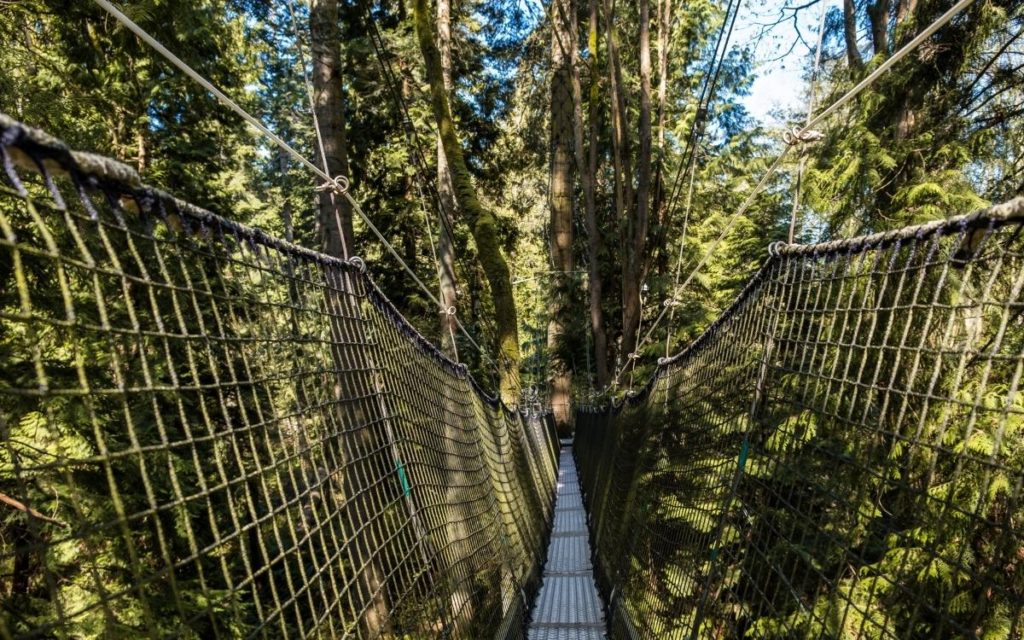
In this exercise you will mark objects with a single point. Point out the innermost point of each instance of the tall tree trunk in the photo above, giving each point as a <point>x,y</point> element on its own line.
<point>562,45</point>
<point>481,221</point>
<point>335,213</point>
<point>850,36</point>
<point>664,31</point>
<point>588,176</point>
<point>445,246</point>
<point>878,13</point>
<point>621,155</point>
<point>361,450</point>
<point>637,225</point>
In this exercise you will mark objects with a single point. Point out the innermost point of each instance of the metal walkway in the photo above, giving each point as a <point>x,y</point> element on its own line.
<point>568,607</point>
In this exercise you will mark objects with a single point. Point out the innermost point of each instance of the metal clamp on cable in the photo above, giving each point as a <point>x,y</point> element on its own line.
<point>671,302</point>
<point>450,311</point>
<point>339,184</point>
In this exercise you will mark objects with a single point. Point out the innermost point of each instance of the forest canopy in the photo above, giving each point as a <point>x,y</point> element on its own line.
<point>580,192</point>
<point>605,143</point>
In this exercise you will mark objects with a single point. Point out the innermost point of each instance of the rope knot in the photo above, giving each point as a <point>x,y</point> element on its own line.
<point>775,248</point>
<point>358,263</point>
<point>796,135</point>
<point>338,184</point>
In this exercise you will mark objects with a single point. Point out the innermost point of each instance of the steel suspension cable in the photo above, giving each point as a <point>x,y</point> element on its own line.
<point>412,137</point>
<point>703,104</point>
<point>380,52</point>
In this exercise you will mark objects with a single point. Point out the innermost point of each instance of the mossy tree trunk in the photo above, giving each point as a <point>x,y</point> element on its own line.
<point>481,221</point>
<point>623,173</point>
<point>445,246</point>
<point>562,104</point>
<point>588,177</point>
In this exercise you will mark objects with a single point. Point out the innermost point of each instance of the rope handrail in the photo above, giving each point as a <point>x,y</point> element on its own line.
<point>838,454</point>
<point>804,133</point>
<point>111,175</point>
<point>994,216</point>
<point>208,431</point>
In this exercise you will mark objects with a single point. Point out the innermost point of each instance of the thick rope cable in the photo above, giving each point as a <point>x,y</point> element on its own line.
<point>792,139</point>
<point>340,184</point>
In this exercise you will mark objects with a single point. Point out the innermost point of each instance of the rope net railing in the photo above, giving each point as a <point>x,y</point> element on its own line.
<point>206,432</point>
<point>840,455</point>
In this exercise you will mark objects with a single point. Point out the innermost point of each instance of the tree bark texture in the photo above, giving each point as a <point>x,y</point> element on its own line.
<point>481,222</point>
<point>335,213</point>
<point>563,44</point>
<point>850,35</point>
<point>445,245</point>
<point>637,224</point>
<point>588,177</point>
<point>621,154</point>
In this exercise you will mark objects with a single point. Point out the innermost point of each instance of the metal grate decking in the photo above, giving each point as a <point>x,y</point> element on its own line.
<point>568,607</point>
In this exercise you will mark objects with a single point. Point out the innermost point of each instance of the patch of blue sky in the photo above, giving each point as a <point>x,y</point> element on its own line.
<point>782,35</point>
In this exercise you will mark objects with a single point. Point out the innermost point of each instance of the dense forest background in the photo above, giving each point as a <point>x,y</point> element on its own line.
<point>605,145</point>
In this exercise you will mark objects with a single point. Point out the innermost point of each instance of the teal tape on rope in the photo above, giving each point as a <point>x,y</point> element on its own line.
<point>402,477</point>
<point>742,460</point>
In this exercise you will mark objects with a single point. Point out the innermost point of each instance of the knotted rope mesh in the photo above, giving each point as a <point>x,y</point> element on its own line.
<point>841,455</point>
<point>209,433</point>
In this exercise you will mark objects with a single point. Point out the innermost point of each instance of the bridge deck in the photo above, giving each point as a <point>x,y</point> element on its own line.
<point>568,606</point>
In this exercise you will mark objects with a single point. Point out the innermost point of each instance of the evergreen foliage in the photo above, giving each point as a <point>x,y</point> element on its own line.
<point>941,133</point>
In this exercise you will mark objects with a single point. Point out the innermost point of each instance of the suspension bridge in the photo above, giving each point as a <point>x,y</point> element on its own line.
<point>210,432</point>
